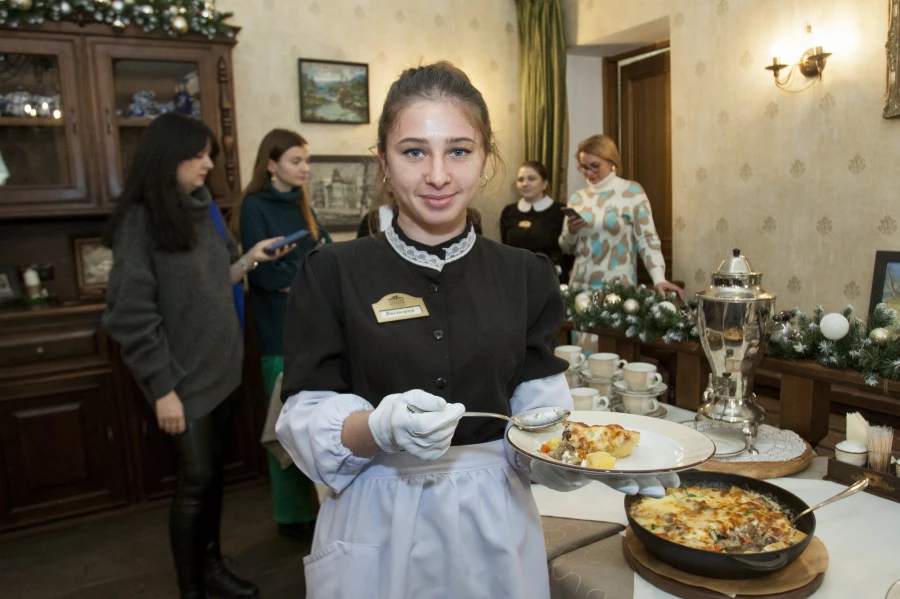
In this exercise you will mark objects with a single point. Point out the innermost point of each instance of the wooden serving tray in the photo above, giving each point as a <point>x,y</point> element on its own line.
<point>639,558</point>
<point>762,470</point>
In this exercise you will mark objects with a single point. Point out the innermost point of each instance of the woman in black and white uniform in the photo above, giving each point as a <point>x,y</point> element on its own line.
<point>423,313</point>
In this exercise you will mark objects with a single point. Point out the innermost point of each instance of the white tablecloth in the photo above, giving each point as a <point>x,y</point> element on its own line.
<point>861,533</point>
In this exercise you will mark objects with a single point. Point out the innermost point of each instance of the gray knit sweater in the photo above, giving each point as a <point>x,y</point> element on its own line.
<point>173,312</point>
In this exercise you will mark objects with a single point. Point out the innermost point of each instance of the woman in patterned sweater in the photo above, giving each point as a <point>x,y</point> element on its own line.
<point>615,223</point>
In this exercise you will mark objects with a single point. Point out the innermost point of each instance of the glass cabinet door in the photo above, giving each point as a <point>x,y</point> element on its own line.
<point>136,85</point>
<point>41,155</point>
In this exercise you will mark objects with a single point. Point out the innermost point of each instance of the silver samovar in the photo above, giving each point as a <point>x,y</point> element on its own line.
<point>733,319</point>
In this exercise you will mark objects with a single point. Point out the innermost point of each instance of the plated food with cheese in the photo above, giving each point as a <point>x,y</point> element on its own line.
<point>719,519</point>
<point>596,446</point>
<point>614,444</point>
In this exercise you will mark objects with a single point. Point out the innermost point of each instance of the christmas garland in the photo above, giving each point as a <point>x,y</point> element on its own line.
<point>833,340</point>
<point>173,17</point>
<point>636,311</point>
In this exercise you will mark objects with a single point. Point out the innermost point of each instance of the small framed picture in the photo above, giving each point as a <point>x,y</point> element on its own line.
<point>886,281</point>
<point>341,189</point>
<point>93,261</point>
<point>10,290</point>
<point>334,92</point>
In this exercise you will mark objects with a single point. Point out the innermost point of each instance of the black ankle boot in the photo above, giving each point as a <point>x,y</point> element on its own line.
<point>222,583</point>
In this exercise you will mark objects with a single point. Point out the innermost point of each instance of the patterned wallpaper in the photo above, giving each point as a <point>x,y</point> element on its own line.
<point>390,35</point>
<point>800,182</point>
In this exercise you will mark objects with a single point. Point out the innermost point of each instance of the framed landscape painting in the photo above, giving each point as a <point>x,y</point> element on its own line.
<point>334,92</point>
<point>341,189</point>
<point>886,281</point>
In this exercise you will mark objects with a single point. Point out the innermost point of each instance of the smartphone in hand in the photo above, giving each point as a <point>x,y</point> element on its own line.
<point>289,239</point>
<point>571,213</point>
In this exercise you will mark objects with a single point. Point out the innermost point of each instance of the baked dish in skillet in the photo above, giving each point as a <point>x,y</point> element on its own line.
<point>720,519</point>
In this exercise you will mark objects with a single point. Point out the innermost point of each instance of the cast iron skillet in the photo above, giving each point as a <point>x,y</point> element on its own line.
<point>728,565</point>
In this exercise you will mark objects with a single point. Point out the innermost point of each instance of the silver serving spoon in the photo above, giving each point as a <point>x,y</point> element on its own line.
<point>851,490</point>
<point>534,420</point>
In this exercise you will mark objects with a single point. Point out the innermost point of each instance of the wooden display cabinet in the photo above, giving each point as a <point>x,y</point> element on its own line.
<point>76,435</point>
<point>68,140</point>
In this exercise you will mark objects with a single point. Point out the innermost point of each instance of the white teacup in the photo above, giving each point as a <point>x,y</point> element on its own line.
<point>573,354</point>
<point>639,404</point>
<point>588,399</point>
<point>604,386</point>
<point>640,375</point>
<point>606,365</point>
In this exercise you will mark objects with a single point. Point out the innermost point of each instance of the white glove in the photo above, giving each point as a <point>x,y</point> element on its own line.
<point>564,480</point>
<point>426,436</point>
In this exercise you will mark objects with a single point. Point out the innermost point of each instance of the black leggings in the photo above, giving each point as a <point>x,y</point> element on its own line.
<point>197,506</point>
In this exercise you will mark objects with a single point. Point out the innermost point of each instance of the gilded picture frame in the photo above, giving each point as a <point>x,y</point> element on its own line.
<point>892,49</point>
<point>334,92</point>
<point>93,261</point>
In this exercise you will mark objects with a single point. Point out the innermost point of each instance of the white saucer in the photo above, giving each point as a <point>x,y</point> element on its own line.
<point>587,375</point>
<point>621,387</point>
<point>727,445</point>
<point>659,412</point>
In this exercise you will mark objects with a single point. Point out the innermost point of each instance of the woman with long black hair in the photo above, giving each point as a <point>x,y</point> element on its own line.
<point>169,304</point>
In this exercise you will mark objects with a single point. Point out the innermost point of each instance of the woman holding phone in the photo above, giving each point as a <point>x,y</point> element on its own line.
<point>276,203</point>
<point>169,304</point>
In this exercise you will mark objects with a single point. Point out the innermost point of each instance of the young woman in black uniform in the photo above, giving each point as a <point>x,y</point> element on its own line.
<point>535,220</point>
<point>424,313</point>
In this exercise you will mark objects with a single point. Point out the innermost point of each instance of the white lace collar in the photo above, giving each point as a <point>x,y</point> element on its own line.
<point>423,258</point>
<point>539,206</point>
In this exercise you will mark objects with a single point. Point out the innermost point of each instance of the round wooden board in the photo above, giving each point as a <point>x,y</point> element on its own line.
<point>761,470</point>
<point>686,591</point>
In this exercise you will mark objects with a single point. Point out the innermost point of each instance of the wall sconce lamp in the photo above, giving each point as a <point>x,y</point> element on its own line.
<point>811,64</point>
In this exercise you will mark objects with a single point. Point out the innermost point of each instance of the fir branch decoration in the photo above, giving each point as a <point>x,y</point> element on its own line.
<point>172,17</point>
<point>650,321</point>
<point>797,336</point>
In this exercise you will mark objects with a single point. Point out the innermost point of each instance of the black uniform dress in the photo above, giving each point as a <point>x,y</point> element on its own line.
<point>536,231</point>
<point>493,313</point>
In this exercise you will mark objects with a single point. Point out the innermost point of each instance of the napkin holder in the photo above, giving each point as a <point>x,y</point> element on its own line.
<point>880,483</point>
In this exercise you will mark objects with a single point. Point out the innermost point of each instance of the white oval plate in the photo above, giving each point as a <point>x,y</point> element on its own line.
<point>727,445</point>
<point>664,447</point>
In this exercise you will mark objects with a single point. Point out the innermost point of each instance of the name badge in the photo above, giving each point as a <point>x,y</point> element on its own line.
<point>525,224</point>
<point>399,306</point>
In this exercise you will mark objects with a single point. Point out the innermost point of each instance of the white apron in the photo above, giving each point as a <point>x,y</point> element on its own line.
<point>464,526</point>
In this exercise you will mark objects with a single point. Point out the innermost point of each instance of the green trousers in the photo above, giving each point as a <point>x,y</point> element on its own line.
<point>293,495</point>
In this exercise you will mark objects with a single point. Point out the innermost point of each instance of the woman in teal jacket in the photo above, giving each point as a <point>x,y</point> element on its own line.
<point>276,203</point>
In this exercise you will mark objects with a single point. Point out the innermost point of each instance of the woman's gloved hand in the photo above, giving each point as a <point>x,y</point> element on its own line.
<point>426,436</point>
<point>561,479</point>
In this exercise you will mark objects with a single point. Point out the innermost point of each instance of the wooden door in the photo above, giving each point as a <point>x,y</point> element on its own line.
<point>639,120</point>
<point>42,129</point>
<point>62,448</point>
<point>135,81</point>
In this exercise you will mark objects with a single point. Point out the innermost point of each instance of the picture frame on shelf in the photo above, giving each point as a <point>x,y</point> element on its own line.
<point>341,189</point>
<point>886,280</point>
<point>10,289</point>
<point>334,92</point>
<point>93,262</point>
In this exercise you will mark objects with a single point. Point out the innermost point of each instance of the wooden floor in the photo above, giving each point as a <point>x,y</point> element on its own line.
<point>126,555</point>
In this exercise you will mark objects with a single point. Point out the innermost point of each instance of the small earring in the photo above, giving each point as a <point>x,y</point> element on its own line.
<point>484,174</point>
<point>384,180</point>
<point>614,168</point>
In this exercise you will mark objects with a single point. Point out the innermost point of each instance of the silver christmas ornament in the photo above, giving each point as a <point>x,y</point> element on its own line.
<point>180,24</point>
<point>65,8</point>
<point>631,306</point>
<point>879,336</point>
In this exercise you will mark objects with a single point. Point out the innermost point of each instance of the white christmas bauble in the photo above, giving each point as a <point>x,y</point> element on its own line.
<point>65,8</point>
<point>834,326</point>
<point>631,306</point>
<point>563,288</point>
<point>180,24</point>
<point>118,5</point>
<point>668,306</point>
<point>582,302</point>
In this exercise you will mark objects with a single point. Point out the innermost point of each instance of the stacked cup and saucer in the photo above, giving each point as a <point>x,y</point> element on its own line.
<point>574,355</point>
<point>603,369</point>
<point>637,391</point>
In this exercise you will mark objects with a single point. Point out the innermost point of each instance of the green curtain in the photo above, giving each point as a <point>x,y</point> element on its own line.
<point>542,71</point>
